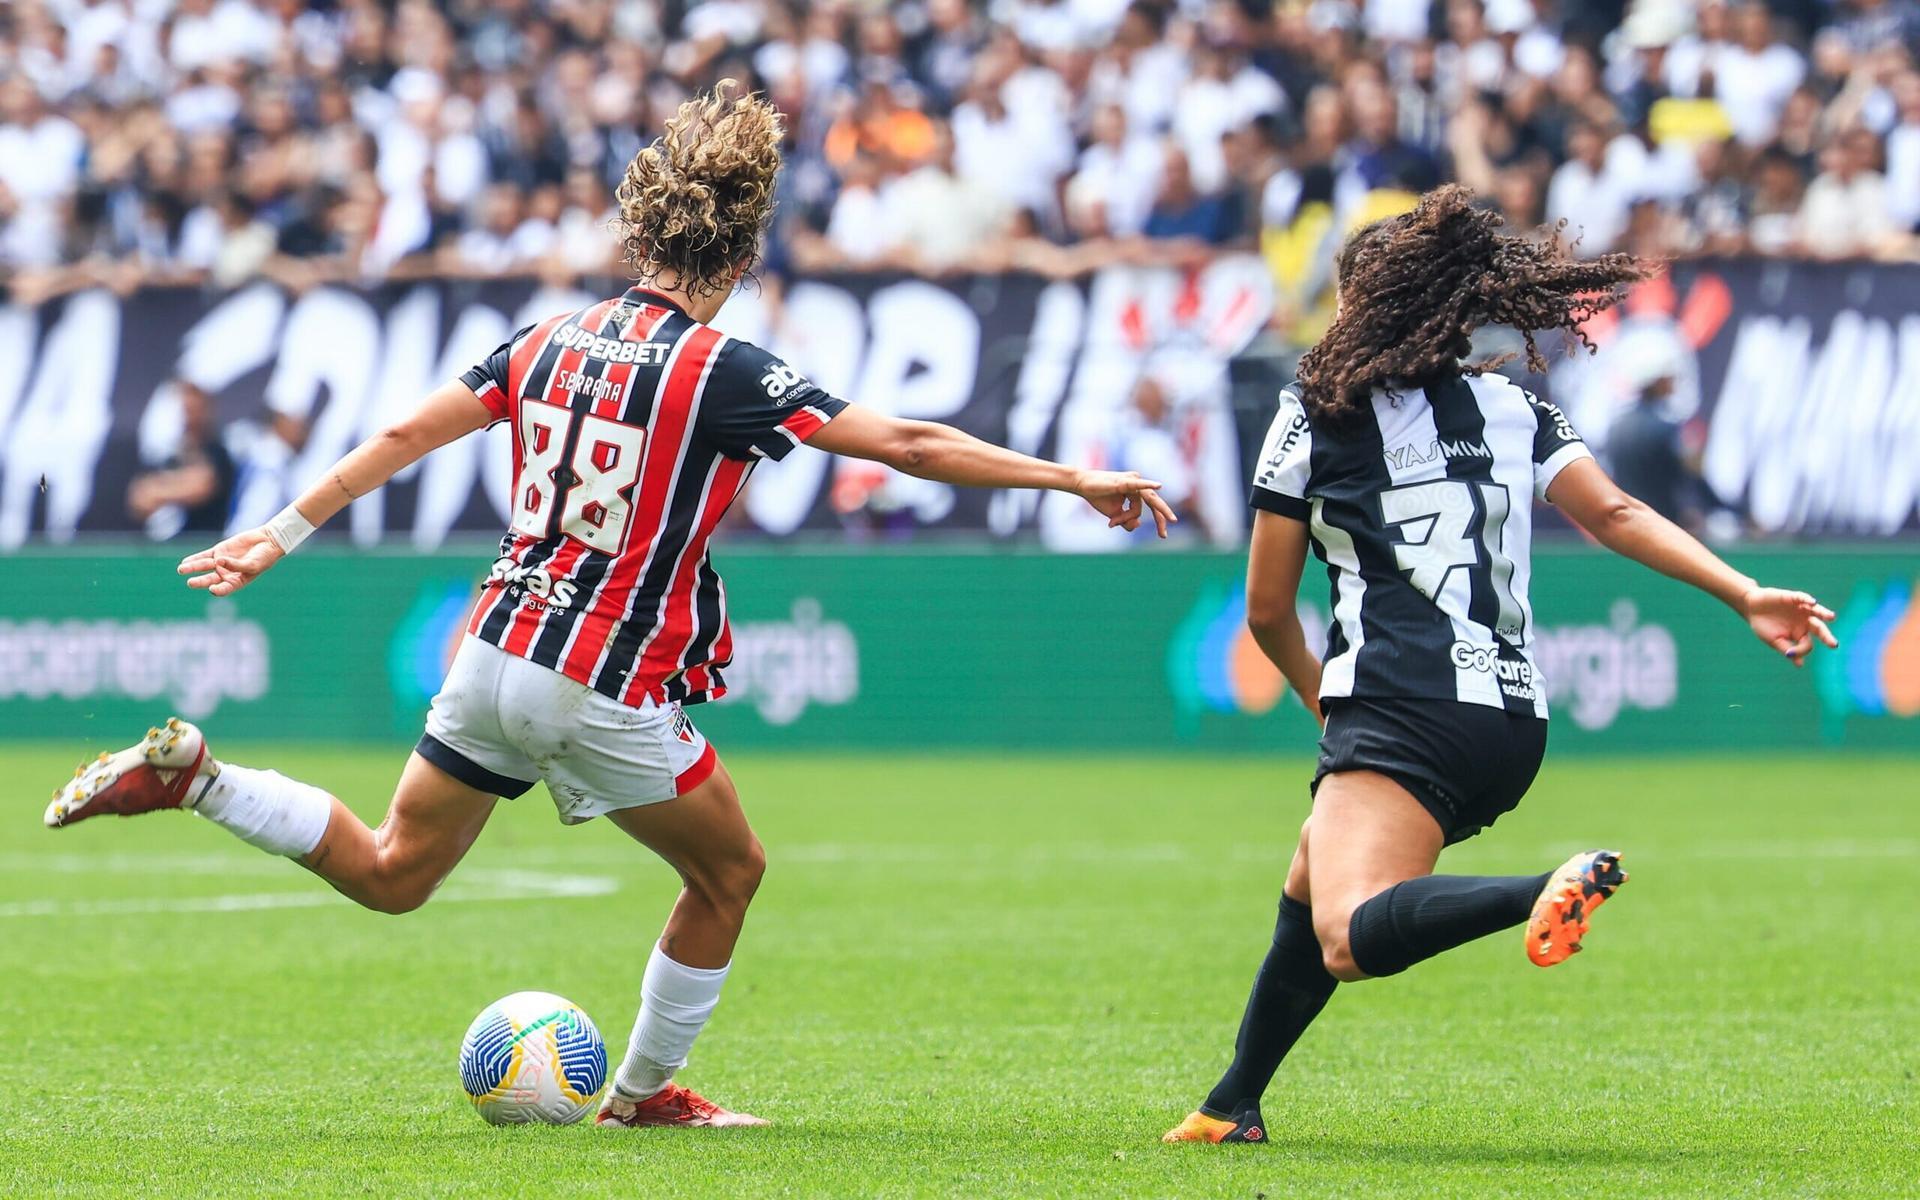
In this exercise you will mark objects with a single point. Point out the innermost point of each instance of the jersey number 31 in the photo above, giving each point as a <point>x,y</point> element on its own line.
<point>590,497</point>
<point>1445,529</point>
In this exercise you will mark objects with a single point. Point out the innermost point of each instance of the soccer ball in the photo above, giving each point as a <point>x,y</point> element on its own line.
<point>532,1057</point>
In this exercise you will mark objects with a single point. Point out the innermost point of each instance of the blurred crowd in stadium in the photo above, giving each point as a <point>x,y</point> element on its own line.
<point>220,140</point>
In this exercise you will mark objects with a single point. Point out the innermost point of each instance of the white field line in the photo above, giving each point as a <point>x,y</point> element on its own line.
<point>1279,849</point>
<point>474,882</point>
<point>475,887</point>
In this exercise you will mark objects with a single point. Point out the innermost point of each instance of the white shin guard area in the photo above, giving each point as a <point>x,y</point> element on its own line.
<point>268,810</point>
<point>675,1002</point>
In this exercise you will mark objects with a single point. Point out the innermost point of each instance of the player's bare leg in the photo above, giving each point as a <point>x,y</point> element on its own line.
<point>431,823</point>
<point>704,835</point>
<point>1372,835</point>
<point>394,867</point>
<point>1378,910</point>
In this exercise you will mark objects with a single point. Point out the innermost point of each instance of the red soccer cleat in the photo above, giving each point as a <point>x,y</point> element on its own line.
<point>153,775</point>
<point>671,1105</point>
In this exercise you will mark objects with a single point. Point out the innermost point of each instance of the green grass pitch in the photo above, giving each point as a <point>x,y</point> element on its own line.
<point>976,977</point>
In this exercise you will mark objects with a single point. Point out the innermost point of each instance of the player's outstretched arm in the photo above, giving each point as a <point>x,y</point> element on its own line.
<point>450,412</point>
<point>1275,559</point>
<point>1788,621</point>
<point>945,454</point>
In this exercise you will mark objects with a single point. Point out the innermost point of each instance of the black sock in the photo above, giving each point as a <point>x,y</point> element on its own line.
<point>1288,993</point>
<point>1419,918</point>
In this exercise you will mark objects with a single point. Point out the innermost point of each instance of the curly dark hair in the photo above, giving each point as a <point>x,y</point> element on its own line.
<point>695,202</point>
<point>1414,288</point>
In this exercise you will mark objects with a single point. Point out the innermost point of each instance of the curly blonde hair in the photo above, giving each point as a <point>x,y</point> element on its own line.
<point>695,202</point>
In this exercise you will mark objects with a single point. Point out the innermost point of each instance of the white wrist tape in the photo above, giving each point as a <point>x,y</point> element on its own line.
<point>288,529</point>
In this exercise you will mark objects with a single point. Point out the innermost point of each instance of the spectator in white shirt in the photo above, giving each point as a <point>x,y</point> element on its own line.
<point>1689,61</point>
<point>429,131</point>
<point>1120,171</point>
<point>812,55</point>
<point>1753,77</point>
<point>857,227</point>
<point>1844,214</point>
<point>535,237</point>
<point>1225,93</point>
<point>1397,20</point>
<point>934,218</point>
<point>487,248</point>
<point>1016,149</point>
<point>1584,197</point>
<point>205,32</point>
<point>584,242</point>
<point>1140,70</point>
<point>40,156</point>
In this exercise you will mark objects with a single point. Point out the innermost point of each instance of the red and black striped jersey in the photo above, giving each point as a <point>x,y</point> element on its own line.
<point>634,428</point>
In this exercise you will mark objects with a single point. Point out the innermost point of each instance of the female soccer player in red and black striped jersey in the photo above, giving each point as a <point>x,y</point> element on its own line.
<point>636,426</point>
<point>1411,476</point>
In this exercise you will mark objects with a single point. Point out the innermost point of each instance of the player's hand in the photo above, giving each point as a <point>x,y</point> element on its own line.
<point>232,564</point>
<point>1788,621</point>
<point>1124,498</point>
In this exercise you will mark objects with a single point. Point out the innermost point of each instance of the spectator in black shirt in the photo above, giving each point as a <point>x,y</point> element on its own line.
<point>196,481</point>
<point>1647,457</point>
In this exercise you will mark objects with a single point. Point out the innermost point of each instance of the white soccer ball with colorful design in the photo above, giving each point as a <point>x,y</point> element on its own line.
<point>533,1057</point>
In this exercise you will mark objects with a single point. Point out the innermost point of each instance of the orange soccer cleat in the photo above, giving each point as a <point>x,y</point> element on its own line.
<point>671,1105</point>
<point>1244,1126</point>
<point>1566,904</point>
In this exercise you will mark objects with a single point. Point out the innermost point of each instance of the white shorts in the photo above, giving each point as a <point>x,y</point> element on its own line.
<point>500,722</point>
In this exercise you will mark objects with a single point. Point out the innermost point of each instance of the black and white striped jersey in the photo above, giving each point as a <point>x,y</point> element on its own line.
<point>1422,512</point>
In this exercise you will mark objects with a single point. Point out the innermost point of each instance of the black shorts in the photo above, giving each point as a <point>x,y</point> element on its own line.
<point>1465,763</point>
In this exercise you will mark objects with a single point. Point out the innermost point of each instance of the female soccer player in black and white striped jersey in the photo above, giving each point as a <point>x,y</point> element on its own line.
<point>1411,475</point>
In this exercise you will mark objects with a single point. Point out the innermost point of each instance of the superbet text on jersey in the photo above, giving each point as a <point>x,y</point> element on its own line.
<point>634,429</point>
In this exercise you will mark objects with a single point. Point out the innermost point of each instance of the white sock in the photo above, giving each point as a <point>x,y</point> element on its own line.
<point>266,809</point>
<point>675,1002</point>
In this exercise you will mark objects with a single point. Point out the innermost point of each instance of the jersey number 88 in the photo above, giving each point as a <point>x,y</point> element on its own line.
<point>589,498</point>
